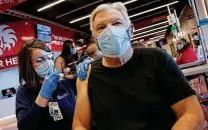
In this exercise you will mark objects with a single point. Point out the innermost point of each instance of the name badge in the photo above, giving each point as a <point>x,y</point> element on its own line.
<point>55,111</point>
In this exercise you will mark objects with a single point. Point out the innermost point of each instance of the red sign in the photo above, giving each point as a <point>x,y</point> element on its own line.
<point>7,4</point>
<point>57,42</point>
<point>14,35</point>
<point>8,62</point>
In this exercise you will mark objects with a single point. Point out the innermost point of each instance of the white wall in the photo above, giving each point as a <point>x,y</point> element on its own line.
<point>7,107</point>
<point>8,79</point>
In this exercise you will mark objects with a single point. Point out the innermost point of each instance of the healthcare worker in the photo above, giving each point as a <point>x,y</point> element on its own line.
<point>68,55</point>
<point>42,101</point>
<point>141,89</point>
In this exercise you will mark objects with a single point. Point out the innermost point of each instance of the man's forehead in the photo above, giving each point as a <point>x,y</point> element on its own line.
<point>108,15</point>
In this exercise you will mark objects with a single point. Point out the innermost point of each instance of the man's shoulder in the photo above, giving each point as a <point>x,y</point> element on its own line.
<point>97,63</point>
<point>149,52</point>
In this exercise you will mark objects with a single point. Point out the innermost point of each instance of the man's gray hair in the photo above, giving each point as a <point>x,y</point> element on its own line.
<point>117,5</point>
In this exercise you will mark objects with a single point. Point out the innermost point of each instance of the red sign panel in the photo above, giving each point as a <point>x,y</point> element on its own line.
<point>7,4</point>
<point>14,35</point>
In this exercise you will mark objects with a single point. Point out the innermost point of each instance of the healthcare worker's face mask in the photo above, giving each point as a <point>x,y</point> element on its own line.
<point>114,41</point>
<point>45,68</point>
<point>73,51</point>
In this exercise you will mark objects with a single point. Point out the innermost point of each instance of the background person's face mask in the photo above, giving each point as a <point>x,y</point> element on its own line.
<point>180,46</point>
<point>73,51</point>
<point>114,41</point>
<point>47,67</point>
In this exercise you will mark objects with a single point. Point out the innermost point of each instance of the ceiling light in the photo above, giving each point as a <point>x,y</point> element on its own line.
<point>76,20</point>
<point>128,2</point>
<point>84,25</point>
<point>157,37</point>
<point>149,34</point>
<point>150,10</point>
<point>151,26</point>
<point>50,5</point>
<point>151,30</point>
<point>87,16</point>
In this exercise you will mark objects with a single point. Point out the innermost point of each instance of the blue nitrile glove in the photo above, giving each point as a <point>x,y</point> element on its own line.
<point>50,84</point>
<point>83,67</point>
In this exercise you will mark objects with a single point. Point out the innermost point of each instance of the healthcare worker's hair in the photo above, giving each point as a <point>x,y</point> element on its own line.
<point>27,73</point>
<point>117,5</point>
<point>66,52</point>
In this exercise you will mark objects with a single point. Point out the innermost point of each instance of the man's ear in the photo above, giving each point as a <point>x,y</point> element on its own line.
<point>132,29</point>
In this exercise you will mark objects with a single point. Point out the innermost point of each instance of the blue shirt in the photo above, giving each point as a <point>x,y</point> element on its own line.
<point>30,116</point>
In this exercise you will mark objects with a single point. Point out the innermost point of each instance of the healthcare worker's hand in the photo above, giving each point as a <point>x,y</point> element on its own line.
<point>82,85</point>
<point>83,67</point>
<point>50,84</point>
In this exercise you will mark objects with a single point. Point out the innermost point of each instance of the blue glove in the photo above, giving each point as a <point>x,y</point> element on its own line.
<point>83,67</point>
<point>50,84</point>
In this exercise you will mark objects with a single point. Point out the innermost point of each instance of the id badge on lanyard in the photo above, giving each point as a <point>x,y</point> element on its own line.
<point>55,111</point>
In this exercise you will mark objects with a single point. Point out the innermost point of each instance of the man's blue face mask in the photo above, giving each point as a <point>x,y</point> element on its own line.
<point>114,41</point>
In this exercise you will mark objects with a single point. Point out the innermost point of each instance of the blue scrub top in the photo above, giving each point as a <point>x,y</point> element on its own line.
<point>30,116</point>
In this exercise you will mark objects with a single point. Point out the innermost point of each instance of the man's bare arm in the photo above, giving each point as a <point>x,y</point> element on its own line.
<point>82,116</point>
<point>189,114</point>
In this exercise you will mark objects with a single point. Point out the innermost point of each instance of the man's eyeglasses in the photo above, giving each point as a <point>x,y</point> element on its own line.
<point>46,57</point>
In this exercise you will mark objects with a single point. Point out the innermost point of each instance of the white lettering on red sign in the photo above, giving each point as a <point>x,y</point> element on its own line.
<point>1,64</point>
<point>7,1</point>
<point>8,62</point>
<point>58,40</point>
<point>15,60</point>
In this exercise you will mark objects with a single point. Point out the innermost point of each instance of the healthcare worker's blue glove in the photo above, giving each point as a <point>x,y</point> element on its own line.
<point>50,84</point>
<point>83,67</point>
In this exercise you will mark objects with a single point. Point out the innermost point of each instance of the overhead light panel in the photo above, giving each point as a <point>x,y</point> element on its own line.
<point>151,30</point>
<point>128,2</point>
<point>76,20</point>
<point>149,34</point>
<point>154,25</point>
<point>150,10</point>
<point>87,16</point>
<point>50,5</point>
<point>157,37</point>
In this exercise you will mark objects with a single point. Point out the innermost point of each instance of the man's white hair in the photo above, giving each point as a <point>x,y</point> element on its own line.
<point>117,5</point>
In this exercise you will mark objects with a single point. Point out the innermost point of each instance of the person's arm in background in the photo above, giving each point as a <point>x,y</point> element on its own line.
<point>177,92</point>
<point>60,63</point>
<point>30,116</point>
<point>82,115</point>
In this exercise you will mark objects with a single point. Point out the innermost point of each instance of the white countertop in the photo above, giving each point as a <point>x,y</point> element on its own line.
<point>191,64</point>
<point>195,70</point>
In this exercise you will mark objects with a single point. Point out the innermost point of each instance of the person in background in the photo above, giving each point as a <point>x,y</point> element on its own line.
<point>42,87</point>
<point>137,44</point>
<point>186,52</point>
<point>93,55</point>
<point>140,89</point>
<point>68,55</point>
<point>93,51</point>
